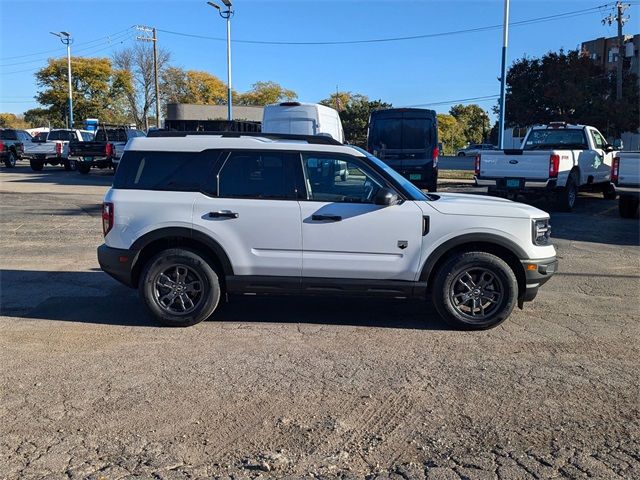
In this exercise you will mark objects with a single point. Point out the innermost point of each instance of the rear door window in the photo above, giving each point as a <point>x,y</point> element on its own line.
<point>8,135</point>
<point>259,174</point>
<point>168,171</point>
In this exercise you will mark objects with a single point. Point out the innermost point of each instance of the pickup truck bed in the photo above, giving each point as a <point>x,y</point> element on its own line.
<point>626,177</point>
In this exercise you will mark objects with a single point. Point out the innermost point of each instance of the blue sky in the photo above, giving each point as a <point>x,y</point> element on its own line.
<point>422,71</point>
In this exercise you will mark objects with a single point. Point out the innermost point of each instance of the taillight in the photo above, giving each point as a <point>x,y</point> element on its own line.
<point>107,217</point>
<point>476,165</point>
<point>434,156</point>
<point>1,146</point>
<point>554,165</point>
<point>59,149</point>
<point>108,149</point>
<point>615,169</point>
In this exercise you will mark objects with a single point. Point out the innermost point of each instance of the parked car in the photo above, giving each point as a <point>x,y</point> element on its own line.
<point>474,149</point>
<point>302,119</point>
<point>53,148</point>
<point>105,150</point>
<point>190,218</point>
<point>625,174</point>
<point>556,160</point>
<point>406,139</point>
<point>12,145</point>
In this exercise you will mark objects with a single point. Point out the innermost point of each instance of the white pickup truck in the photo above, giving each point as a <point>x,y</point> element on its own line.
<point>52,148</point>
<point>558,159</point>
<point>625,174</point>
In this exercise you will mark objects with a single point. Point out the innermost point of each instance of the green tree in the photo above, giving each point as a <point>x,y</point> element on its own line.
<point>265,93</point>
<point>42,117</point>
<point>98,90</point>
<point>11,120</point>
<point>450,133</point>
<point>355,114</point>
<point>570,87</point>
<point>193,86</point>
<point>473,121</point>
<point>137,62</point>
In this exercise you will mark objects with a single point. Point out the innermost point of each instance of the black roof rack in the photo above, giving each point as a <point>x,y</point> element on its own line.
<point>311,139</point>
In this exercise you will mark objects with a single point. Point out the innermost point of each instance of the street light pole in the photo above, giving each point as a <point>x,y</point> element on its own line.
<point>65,37</point>
<point>503,76</point>
<point>227,14</point>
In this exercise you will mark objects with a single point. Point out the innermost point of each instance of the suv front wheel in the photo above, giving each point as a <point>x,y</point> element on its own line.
<point>475,290</point>
<point>180,288</point>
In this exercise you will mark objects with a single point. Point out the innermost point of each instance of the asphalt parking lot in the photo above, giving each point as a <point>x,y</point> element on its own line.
<point>279,387</point>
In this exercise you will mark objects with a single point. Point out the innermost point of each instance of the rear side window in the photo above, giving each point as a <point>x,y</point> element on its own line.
<point>168,171</point>
<point>61,135</point>
<point>269,175</point>
<point>8,135</point>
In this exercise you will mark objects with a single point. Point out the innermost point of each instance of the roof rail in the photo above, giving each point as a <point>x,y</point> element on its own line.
<point>311,139</point>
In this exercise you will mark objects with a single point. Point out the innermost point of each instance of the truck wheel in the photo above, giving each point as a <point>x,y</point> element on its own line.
<point>36,166</point>
<point>70,165</point>
<point>567,196</point>
<point>10,161</point>
<point>628,206</point>
<point>609,192</point>
<point>179,288</point>
<point>475,290</point>
<point>84,168</point>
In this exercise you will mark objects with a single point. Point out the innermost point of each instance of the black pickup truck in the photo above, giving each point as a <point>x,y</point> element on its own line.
<point>12,143</point>
<point>106,148</point>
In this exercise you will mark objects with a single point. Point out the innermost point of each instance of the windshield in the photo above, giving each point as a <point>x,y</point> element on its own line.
<point>415,192</point>
<point>61,135</point>
<point>41,137</point>
<point>542,139</point>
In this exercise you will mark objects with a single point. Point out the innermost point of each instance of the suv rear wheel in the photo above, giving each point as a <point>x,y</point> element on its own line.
<point>475,291</point>
<point>180,288</point>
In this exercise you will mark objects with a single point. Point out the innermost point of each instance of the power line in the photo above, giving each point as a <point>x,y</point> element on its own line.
<point>460,100</point>
<point>106,37</point>
<point>404,38</point>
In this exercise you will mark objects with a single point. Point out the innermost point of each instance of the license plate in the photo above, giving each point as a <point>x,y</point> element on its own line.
<point>415,176</point>
<point>513,183</point>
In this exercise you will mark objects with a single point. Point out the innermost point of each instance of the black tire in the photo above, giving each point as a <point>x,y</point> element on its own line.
<point>10,161</point>
<point>493,305</point>
<point>84,168</point>
<point>629,206</point>
<point>70,165</point>
<point>161,278</point>
<point>609,191</point>
<point>36,165</point>
<point>567,196</point>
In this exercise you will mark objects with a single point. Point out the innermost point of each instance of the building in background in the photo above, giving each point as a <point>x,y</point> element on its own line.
<point>604,52</point>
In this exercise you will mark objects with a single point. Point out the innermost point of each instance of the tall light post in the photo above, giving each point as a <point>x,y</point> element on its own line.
<point>65,37</point>
<point>503,76</point>
<point>227,14</point>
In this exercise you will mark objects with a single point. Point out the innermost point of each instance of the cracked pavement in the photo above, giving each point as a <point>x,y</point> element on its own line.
<point>305,387</point>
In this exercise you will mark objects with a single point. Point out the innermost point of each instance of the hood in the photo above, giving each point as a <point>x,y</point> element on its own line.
<point>478,205</point>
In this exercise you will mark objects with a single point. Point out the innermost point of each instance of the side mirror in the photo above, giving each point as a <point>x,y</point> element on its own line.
<point>617,144</point>
<point>609,148</point>
<point>386,197</point>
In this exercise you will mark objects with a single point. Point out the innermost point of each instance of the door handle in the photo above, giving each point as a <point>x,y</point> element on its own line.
<point>331,218</point>
<point>223,214</point>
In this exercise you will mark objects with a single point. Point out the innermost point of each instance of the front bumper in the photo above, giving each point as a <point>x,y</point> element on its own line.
<point>537,273</point>
<point>118,263</point>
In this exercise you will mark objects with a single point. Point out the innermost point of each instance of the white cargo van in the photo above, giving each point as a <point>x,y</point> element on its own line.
<point>302,119</point>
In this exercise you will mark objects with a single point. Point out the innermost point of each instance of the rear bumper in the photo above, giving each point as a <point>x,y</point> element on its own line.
<point>118,263</point>
<point>525,184</point>
<point>537,273</point>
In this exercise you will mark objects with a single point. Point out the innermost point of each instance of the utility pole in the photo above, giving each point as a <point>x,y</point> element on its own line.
<point>65,37</point>
<point>503,76</point>
<point>620,19</point>
<point>153,39</point>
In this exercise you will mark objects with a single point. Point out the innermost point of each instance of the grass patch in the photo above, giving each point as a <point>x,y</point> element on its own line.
<point>456,174</point>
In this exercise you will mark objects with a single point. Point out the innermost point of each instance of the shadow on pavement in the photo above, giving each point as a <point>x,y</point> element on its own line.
<point>58,176</point>
<point>93,297</point>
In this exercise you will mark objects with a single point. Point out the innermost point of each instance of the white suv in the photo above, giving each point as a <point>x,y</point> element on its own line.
<point>191,218</point>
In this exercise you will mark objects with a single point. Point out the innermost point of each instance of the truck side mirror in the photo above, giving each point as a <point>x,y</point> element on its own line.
<point>386,197</point>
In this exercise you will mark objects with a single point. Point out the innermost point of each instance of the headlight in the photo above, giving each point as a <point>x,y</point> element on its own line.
<point>541,231</point>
